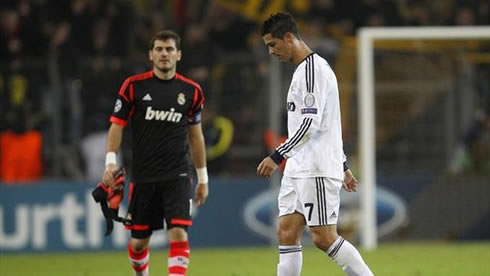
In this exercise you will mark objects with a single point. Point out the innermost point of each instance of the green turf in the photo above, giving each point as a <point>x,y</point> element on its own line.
<point>431,259</point>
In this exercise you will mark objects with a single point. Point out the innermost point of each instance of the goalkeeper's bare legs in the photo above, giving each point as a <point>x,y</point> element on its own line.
<point>339,250</point>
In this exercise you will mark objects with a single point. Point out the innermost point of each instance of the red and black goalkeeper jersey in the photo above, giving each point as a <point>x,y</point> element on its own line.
<point>160,112</point>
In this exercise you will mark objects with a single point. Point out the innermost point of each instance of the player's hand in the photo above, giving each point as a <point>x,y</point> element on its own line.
<point>201,194</point>
<point>267,167</point>
<point>350,181</point>
<point>108,178</point>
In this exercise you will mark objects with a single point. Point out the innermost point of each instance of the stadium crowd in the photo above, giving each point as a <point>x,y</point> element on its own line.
<point>62,62</point>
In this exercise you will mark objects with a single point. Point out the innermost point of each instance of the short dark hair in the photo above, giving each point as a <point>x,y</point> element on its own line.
<point>165,35</point>
<point>278,25</point>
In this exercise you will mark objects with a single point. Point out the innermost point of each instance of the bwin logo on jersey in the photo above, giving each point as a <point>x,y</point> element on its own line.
<point>163,115</point>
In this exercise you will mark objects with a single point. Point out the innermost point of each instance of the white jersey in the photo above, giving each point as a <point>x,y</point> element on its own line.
<point>314,147</point>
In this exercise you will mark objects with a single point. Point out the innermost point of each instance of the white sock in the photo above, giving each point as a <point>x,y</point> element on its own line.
<point>290,260</point>
<point>347,256</point>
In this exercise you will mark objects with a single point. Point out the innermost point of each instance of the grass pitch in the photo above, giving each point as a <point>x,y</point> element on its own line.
<point>397,259</point>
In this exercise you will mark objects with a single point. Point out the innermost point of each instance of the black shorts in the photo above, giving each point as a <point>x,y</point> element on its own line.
<point>151,203</point>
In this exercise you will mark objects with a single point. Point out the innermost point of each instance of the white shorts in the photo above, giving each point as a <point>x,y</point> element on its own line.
<point>317,198</point>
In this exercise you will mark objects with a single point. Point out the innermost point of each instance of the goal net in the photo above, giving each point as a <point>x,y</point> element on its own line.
<point>424,127</point>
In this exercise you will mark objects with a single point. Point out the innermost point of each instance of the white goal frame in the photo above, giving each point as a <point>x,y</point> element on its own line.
<point>367,147</point>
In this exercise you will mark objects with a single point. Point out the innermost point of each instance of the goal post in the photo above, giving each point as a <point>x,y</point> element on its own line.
<point>366,101</point>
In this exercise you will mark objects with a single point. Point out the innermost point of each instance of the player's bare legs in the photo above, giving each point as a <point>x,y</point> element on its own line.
<point>324,236</point>
<point>139,244</point>
<point>139,255</point>
<point>289,230</point>
<point>340,250</point>
<point>179,253</point>
<point>177,234</point>
<point>290,227</point>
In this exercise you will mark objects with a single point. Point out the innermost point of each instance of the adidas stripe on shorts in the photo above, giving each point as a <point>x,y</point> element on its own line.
<point>317,198</point>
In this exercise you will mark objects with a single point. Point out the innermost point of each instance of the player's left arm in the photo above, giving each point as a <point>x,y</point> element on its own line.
<point>198,155</point>
<point>314,89</point>
<point>197,146</point>
<point>350,181</point>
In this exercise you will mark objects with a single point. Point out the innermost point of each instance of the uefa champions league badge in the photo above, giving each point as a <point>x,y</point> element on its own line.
<point>309,100</point>
<point>310,110</point>
<point>118,106</point>
<point>181,98</point>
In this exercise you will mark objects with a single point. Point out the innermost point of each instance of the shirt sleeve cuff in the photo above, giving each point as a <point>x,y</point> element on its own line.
<point>345,166</point>
<point>276,157</point>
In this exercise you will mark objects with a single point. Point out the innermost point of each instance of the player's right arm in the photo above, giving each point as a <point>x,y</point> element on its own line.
<point>114,139</point>
<point>123,110</point>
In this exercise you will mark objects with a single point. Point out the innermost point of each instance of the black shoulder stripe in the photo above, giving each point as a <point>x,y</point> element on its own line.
<point>307,76</point>
<point>310,73</point>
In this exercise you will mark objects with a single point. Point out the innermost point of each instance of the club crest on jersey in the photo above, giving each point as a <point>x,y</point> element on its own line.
<point>181,98</point>
<point>163,115</point>
<point>291,106</point>
<point>309,100</point>
<point>117,106</point>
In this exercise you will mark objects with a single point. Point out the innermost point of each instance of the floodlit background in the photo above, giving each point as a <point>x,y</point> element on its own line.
<point>62,64</point>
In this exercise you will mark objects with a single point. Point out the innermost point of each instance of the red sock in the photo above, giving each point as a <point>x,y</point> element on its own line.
<point>139,260</point>
<point>178,258</point>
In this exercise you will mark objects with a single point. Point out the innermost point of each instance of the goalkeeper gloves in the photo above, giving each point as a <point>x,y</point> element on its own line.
<point>109,199</point>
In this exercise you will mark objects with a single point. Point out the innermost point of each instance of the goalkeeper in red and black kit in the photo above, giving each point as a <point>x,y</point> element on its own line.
<point>165,111</point>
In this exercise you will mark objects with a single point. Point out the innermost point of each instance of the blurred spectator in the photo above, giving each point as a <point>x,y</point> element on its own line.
<point>199,54</point>
<point>20,138</point>
<point>473,151</point>
<point>327,10</point>
<point>218,135</point>
<point>376,13</point>
<point>10,39</point>
<point>20,33</point>
<point>81,22</point>
<point>314,33</point>
<point>483,12</point>
<point>464,16</point>
<point>98,90</point>
<point>20,159</point>
<point>417,13</point>
<point>92,148</point>
<point>227,30</point>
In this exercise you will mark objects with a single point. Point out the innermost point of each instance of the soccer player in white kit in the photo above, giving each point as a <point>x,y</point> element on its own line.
<point>316,167</point>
